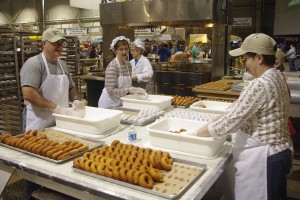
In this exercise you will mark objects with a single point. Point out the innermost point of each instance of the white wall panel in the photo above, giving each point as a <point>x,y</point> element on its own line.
<point>60,9</point>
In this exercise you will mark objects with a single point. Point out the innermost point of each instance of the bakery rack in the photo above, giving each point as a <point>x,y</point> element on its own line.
<point>10,98</point>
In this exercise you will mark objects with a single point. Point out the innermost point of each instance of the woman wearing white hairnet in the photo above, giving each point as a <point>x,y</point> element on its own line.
<point>142,71</point>
<point>118,75</point>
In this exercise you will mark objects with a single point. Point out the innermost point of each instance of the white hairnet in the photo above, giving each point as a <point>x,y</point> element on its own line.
<point>138,43</point>
<point>114,42</point>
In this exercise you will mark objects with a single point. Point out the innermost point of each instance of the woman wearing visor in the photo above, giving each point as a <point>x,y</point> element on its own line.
<point>262,150</point>
<point>118,80</point>
<point>142,71</point>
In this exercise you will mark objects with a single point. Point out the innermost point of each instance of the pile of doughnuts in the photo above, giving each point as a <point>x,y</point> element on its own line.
<point>183,101</point>
<point>126,162</point>
<point>216,85</point>
<point>37,143</point>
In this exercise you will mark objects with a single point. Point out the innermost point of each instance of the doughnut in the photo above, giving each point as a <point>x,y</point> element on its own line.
<point>67,142</point>
<point>158,161</point>
<point>87,155</point>
<point>62,146</point>
<point>122,151</point>
<point>27,136</point>
<point>138,160</point>
<point>128,165</point>
<point>131,159</point>
<point>13,142</point>
<point>76,163</point>
<point>42,141</point>
<point>152,160</point>
<point>134,153</point>
<point>166,163</point>
<point>108,171</point>
<point>21,146</point>
<point>101,169</point>
<point>25,147</point>
<point>147,151</point>
<point>41,135</point>
<point>35,148</point>
<point>104,148</point>
<point>115,163</point>
<point>94,166</point>
<point>146,163</point>
<point>57,154</point>
<point>166,154</point>
<point>135,148</point>
<point>156,175</point>
<point>141,150</point>
<point>129,146</point>
<point>19,142</point>
<point>73,152</point>
<point>45,150</point>
<point>123,174</point>
<point>125,157</point>
<point>122,163</point>
<point>82,163</point>
<point>73,143</point>
<point>115,142</point>
<point>141,156</point>
<point>136,176</point>
<point>108,162</point>
<point>83,148</point>
<point>87,165</point>
<point>69,148</point>
<point>136,166</point>
<point>103,159</point>
<point>130,177</point>
<point>143,168</point>
<point>93,156</point>
<point>27,132</point>
<point>40,149</point>
<point>113,155</point>
<point>6,140</point>
<point>96,151</point>
<point>64,156</point>
<point>33,132</point>
<point>111,148</point>
<point>76,146</point>
<point>116,174</point>
<point>119,145</point>
<point>145,181</point>
<point>50,153</point>
<point>98,158</point>
<point>29,148</point>
<point>107,153</point>
<point>119,157</point>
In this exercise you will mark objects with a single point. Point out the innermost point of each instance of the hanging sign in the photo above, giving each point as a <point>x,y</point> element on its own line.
<point>76,31</point>
<point>247,21</point>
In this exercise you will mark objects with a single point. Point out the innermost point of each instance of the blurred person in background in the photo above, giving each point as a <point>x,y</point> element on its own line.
<point>164,53</point>
<point>180,56</point>
<point>142,71</point>
<point>291,55</point>
<point>118,80</point>
<point>262,147</point>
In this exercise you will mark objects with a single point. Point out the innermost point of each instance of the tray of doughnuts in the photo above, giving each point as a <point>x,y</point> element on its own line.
<point>144,169</point>
<point>49,145</point>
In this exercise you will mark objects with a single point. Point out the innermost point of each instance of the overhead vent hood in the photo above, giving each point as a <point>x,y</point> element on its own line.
<point>157,12</point>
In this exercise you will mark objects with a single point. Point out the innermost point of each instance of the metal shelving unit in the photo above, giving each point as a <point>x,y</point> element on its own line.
<point>10,97</point>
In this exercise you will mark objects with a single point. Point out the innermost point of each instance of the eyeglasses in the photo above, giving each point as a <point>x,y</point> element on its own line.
<point>133,49</point>
<point>244,58</point>
<point>58,43</point>
<point>123,50</point>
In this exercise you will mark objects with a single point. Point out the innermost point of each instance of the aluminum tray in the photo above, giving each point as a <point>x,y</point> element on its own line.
<point>46,158</point>
<point>172,179</point>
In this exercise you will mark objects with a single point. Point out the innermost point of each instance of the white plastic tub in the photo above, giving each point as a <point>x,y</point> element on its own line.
<point>96,121</point>
<point>153,101</point>
<point>210,106</point>
<point>160,136</point>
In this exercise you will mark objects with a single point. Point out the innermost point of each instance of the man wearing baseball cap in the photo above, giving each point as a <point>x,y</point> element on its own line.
<point>47,85</point>
<point>262,147</point>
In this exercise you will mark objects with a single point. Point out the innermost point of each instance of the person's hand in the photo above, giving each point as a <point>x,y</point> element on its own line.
<point>134,77</point>
<point>62,111</point>
<point>78,105</point>
<point>137,90</point>
<point>190,132</point>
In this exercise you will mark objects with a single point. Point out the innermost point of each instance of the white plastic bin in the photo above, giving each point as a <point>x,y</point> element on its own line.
<point>160,136</point>
<point>154,101</point>
<point>211,106</point>
<point>96,121</point>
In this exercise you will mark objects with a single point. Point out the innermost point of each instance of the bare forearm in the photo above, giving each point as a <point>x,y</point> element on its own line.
<point>31,94</point>
<point>73,94</point>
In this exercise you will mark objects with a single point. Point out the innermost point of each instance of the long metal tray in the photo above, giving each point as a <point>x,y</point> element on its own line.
<point>182,176</point>
<point>49,159</point>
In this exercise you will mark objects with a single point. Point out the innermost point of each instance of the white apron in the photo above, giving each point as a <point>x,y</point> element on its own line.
<point>55,88</point>
<point>250,161</point>
<point>106,100</point>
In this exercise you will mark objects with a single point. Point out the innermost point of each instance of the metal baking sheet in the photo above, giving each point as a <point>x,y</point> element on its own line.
<point>155,191</point>
<point>46,158</point>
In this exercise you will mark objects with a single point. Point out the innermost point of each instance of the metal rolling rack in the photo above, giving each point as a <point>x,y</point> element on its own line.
<point>10,98</point>
<point>30,44</point>
<point>71,57</point>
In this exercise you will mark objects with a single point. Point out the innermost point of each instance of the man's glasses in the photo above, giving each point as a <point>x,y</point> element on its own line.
<point>123,50</point>
<point>58,43</point>
<point>244,58</point>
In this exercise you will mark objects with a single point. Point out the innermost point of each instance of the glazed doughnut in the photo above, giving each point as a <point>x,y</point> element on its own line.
<point>158,162</point>
<point>94,166</point>
<point>33,132</point>
<point>136,176</point>
<point>108,171</point>
<point>107,153</point>
<point>115,163</point>
<point>135,148</point>
<point>108,162</point>
<point>113,155</point>
<point>119,145</point>
<point>87,155</point>
<point>115,142</point>
<point>101,169</point>
<point>73,143</point>
<point>146,163</point>
<point>141,150</point>
<point>45,150</point>
<point>19,142</point>
<point>82,163</point>
<point>143,168</point>
<point>50,153</point>
<point>166,163</point>
<point>136,166</point>
<point>93,156</point>
<point>152,160</point>
<point>64,156</point>
<point>35,148</point>
<point>134,153</point>
<point>138,160</point>
<point>145,181</point>
<point>29,148</point>
<point>131,159</point>
<point>67,142</point>
<point>57,154</point>
<point>27,132</point>
<point>61,147</point>
<point>123,174</point>
<point>49,143</point>
<point>130,177</point>
<point>96,151</point>
<point>129,146</point>
<point>128,165</point>
<point>98,158</point>
<point>116,174</point>
<point>21,146</point>
<point>122,151</point>
<point>122,163</point>
<point>40,149</point>
<point>125,157</point>
<point>6,140</point>
<point>41,135</point>
<point>42,141</point>
<point>119,157</point>
<point>146,156</point>
<point>76,163</point>
<point>104,148</point>
<point>103,159</point>
<point>147,151</point>
<point>83,148</point>
<point>166,154</point>
<point>140,156</point>
<point>111,148</point>
<point>87,165</point>
<point>156,175</point>
<point>13,141</point>
<point>25,147</point>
